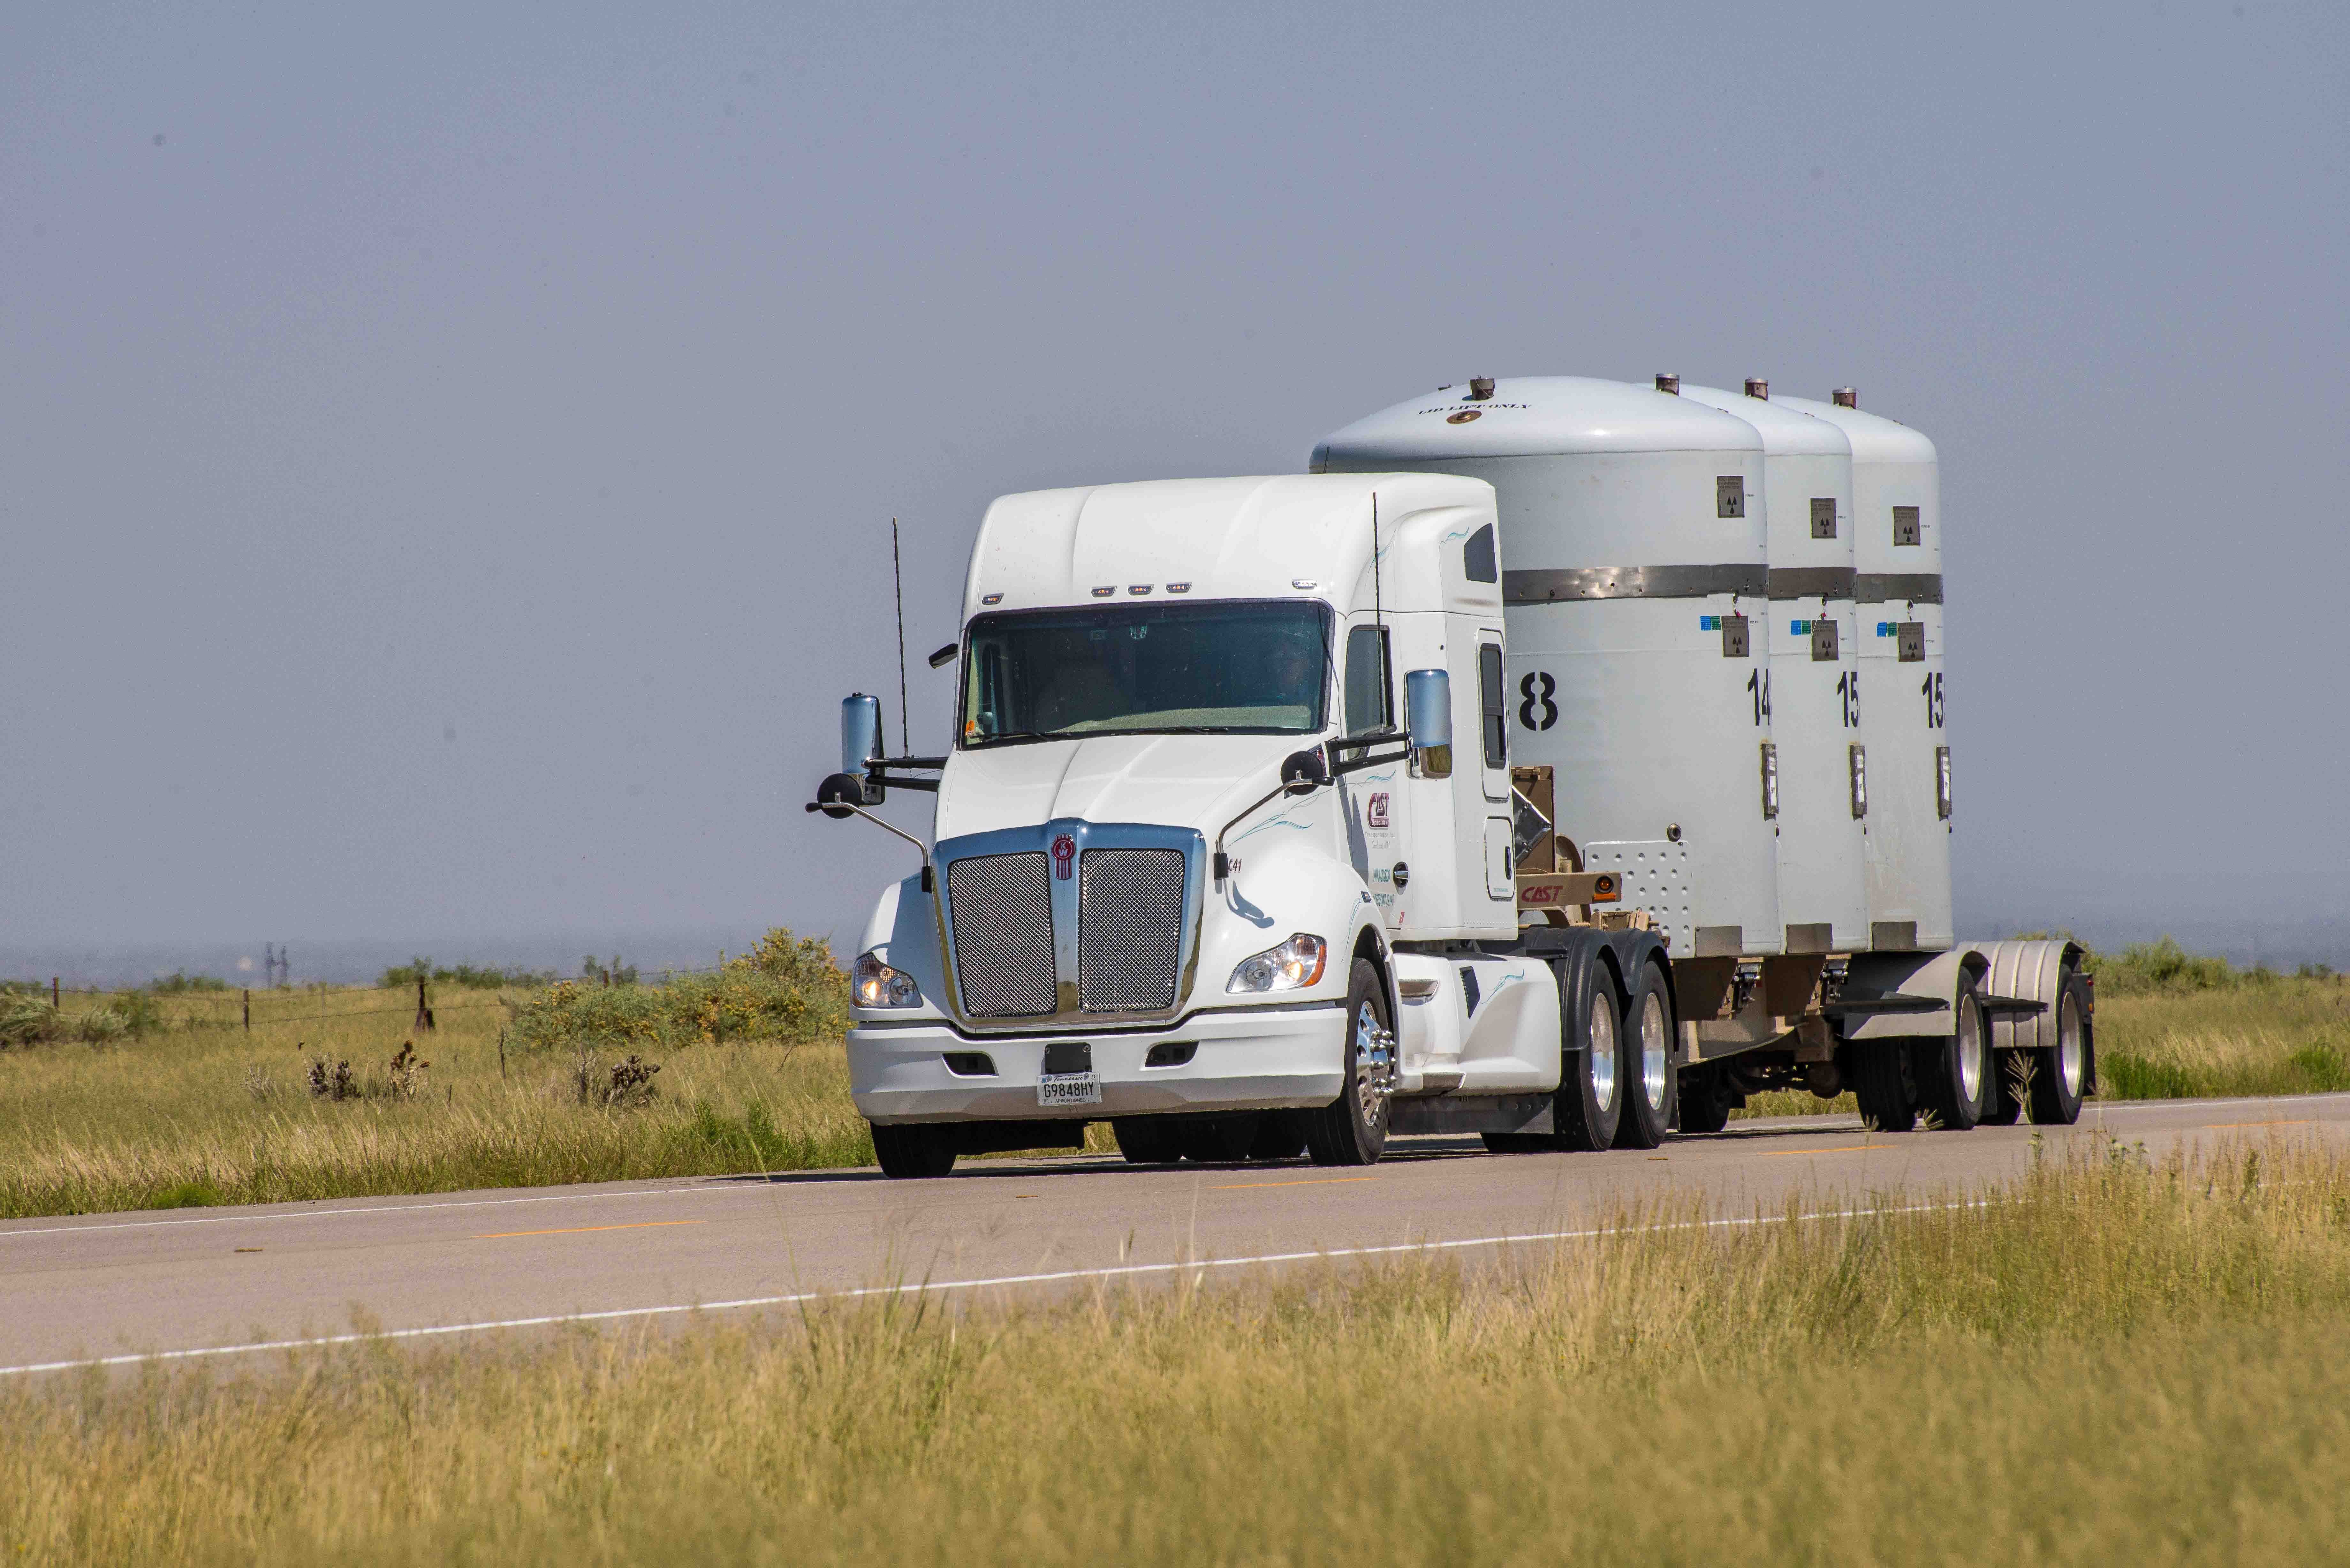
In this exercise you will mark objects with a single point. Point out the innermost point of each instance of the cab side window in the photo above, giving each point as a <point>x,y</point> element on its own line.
<point>1491,701</point>
<point>1370,696</point>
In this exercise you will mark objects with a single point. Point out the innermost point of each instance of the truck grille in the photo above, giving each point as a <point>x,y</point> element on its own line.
<point>1001,908</point>
<point>1130,932</point>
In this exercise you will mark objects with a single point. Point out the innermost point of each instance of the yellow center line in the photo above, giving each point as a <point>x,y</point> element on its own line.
<point>1318,1182</point>
<point>1847,1149</point>
<point>582,1230</point>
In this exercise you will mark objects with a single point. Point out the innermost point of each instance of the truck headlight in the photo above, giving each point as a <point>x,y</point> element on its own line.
<point>875,984</point>
<point>1293,966</point>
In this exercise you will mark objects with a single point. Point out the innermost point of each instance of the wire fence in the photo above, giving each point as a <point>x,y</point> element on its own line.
<point>238,1003</point>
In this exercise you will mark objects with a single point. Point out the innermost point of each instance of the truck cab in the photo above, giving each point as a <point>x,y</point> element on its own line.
<point>1229,805</point>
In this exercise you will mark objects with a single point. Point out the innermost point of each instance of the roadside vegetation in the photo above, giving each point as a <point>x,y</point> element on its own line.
<point>160,1097</point>
<point>135,1100</point>
<point>2107,1360</point>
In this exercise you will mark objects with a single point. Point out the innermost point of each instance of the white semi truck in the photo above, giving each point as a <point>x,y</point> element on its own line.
<point>1510,772</point>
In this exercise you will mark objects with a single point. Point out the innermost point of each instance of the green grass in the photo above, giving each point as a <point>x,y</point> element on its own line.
<point>2104,1361</point>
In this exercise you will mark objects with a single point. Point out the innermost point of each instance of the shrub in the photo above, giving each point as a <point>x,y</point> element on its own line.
<point>180,981</point>
<point>785,988</point>
<point>472,977</point>
<point>29,1021</point>
<point>2160,966</point>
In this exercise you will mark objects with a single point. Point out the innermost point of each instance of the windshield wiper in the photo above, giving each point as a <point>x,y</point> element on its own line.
<point>1013,737</point>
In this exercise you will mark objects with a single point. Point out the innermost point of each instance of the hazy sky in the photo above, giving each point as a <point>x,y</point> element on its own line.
<point>446,453</point>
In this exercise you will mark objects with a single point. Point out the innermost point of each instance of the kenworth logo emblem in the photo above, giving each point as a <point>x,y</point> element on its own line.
<point>1065,855</point>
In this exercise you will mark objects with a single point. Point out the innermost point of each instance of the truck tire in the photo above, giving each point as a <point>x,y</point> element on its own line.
<point>1704,1101</point>
<point>1147,1140</point>
<point>1353,1128</point>
<point>2005,1102</point>
<point>1280,1135</point>
<point>1879,1072</point>
<point>1217,1140</point>
<point>1954,1070</point>
<point>1590,1099</point>
<point>1648,1093</point>
<point>2063,1072</point>
<point>916,1152</point>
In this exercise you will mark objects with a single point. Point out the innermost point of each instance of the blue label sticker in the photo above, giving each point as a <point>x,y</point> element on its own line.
<point>1800,628</point>
<point>1709,623</point>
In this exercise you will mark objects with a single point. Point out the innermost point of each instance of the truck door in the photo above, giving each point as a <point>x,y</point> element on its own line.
<point>1376,803</point>
<point>1493,759</point>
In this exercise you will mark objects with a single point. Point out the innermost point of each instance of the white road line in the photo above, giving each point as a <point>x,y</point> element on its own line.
<point>1125,1270</point>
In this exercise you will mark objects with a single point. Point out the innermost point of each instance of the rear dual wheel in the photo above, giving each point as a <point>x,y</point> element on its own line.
<point>2063,1073</point>
<point>1648,1054</point>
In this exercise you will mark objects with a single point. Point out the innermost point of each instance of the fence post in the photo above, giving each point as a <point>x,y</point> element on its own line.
<point>248,1010</point>
<point>423,1013</point>
<point>53,991</point>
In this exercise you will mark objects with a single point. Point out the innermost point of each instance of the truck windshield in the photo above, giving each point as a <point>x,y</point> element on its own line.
<point>1232,666</point>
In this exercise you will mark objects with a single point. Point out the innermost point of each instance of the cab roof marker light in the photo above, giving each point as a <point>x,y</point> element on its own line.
<point>1179,587</point>
<point>991,598</point>
<point>1301,584</point>
<point>1104,593</point>
<point>1137,588</point>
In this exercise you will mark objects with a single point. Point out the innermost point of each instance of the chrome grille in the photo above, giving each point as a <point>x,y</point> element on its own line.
<point>1000,911</point>
<point>1131,929</point>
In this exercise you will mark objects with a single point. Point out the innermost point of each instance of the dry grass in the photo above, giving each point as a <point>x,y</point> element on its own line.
<point>2104,1361</point>
<point>202,1112</point>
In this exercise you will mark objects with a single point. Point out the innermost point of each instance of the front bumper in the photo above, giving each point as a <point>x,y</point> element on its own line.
<point>1247,1059</point>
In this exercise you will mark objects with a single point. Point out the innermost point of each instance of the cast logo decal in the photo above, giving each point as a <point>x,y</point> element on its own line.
<point>1065,855</point>
<point>1376,817</point>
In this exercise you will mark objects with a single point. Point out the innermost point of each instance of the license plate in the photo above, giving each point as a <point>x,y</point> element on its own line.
<point>1068,1089</point>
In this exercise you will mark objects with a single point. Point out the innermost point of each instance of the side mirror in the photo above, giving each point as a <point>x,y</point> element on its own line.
<point>945,655</point>
<point>861,743</point>
<point>1427,720</point>
<point>1304,772</point>
<point>838,793</point>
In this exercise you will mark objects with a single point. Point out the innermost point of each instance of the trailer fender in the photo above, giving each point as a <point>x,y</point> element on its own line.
<point>2027,971</point>
<point>1935,976</point>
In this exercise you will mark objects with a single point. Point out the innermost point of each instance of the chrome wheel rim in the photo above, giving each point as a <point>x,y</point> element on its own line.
<point>1655,1049</point>
<point>1970,1052</point>
<point>2069,1054</point>
<point>1374,1064</point>
<point>1601,1054</point>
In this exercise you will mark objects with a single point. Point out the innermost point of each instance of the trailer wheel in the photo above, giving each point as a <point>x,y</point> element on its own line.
<point>1146,1140</point>
<point>1648,1054</point>
<point>2063,1072</point>
<point>1353,1128</point>
<point>2005,1098</point>
<point>1954,1070</point>
<point>1879,1072</point>
<point>1704,1101</point>
<point>914,1153</point>
<point>1590,1099</point>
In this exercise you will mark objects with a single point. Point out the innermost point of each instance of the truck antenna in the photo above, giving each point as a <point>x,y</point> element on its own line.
<point>897,582</point>
<point>1379,604</point>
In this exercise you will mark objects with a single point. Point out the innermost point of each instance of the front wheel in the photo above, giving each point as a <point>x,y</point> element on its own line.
<point>1648,1052</point>
<point>1353,1128</point>
<point>914,1153</point>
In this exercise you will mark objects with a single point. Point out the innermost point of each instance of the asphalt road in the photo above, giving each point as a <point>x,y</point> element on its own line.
<point>223,1281</point>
